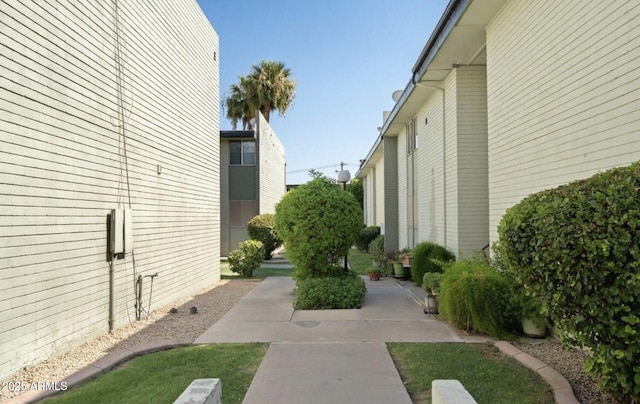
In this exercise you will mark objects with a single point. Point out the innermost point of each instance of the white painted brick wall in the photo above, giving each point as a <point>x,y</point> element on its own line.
<point>62,164</point>
<point>563,99</point>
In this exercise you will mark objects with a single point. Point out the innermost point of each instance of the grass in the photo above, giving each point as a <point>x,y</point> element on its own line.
<point>162,376</point>
<point>359,262</point>
<point>488,375</point>
<point>260,273</point>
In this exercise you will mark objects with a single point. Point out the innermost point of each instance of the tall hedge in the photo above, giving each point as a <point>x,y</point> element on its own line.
<point>367,235</point>
<point>423,253</point>
<point>578,247</point>
<point>474,296</point>
<point>319,222</point>
<point>262,228</point>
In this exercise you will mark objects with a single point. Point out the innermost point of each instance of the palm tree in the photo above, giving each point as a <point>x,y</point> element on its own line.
<point>237,106</point>
<point>268,87</point>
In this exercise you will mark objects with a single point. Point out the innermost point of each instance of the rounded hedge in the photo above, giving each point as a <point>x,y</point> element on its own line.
<point>423,253</point>
<point>475,297</point>
<point>367,235</point>
<point>319,223</point>
<point>332,292</point>
<point>261,227</point>
<point>578,247</point>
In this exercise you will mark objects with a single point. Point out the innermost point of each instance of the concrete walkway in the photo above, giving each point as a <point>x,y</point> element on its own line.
<point>327,356</point>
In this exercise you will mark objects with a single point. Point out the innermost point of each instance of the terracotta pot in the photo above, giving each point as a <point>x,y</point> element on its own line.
<point>406,262</point>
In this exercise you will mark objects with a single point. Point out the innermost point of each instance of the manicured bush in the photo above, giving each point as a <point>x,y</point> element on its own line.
<point>367,235</point>
<point>577,247</point>
<point>261,227</point>
<point>475,297</point>
<point>333,292</point>
<point>423,255</point>
<point>247,258</point>
<point>319,223</point>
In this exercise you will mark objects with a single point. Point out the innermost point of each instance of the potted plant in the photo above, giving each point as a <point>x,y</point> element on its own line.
<point>406,256</point>
<point>431,285</point>
<point>532,313</point>
<point>398,268</point>
<point>374,274</point>
<point>376,249</point>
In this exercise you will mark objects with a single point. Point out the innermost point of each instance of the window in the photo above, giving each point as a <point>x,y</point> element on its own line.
<point>242,152</point>
<point>412,137</point>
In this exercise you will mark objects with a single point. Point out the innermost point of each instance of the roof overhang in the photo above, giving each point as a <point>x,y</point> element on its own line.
<point>458,39</point>
<point>237,134</point>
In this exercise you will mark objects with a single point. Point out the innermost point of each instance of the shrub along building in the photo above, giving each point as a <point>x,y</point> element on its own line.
<point>506,98</point>
<point>108,129</point>
<point>252,179</point>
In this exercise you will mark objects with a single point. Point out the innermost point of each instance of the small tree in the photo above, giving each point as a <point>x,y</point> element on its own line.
<point>261,227</point>
<point>356,188</point>
<point>318,223</point>
<point>247,258</point>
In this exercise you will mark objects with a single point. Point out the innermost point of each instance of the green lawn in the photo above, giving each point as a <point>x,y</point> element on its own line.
<point>489,375</point>
<point>260,273</point>
<point>162,376</point>
<point>359,262</point>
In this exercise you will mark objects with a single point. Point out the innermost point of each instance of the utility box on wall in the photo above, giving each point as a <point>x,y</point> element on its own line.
<point>121,231</point>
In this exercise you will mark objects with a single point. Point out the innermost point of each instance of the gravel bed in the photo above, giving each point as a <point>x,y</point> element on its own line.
<point>212,303</point>
<point>567,362</point>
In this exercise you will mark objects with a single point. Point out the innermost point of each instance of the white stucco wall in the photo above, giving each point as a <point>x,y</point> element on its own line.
<point>563,99</point>
<point>63,165</point>
<point>271,167</point>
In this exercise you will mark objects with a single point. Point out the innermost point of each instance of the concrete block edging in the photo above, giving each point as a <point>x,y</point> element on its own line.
<point>562,391</point>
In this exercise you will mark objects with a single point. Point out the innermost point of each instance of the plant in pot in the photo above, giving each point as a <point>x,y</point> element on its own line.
<point>532,313</point>
<point>398,268</point>
<point>376,249</point>
<point>374,273</point>
<point>431,285</point>
<point>406,256</point>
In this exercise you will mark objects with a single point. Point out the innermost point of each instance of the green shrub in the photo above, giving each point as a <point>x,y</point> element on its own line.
<point>367,235</point>
<point>262,228</point>
<point>475,297</point>
<point>333,292</point>
<point>431,282</point>
<point>319,223</point>
<point>577,247</point>
<point>376,249</point>
<point>247,258</point>
<point>424,254</point>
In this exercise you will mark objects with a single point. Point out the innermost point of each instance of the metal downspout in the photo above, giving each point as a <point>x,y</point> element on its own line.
<point>111,293</point>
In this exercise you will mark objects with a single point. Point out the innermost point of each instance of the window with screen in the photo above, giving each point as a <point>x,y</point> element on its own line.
<point>242,152</point>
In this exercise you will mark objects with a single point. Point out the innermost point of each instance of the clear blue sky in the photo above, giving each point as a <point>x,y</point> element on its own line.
<point>347,56</point>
